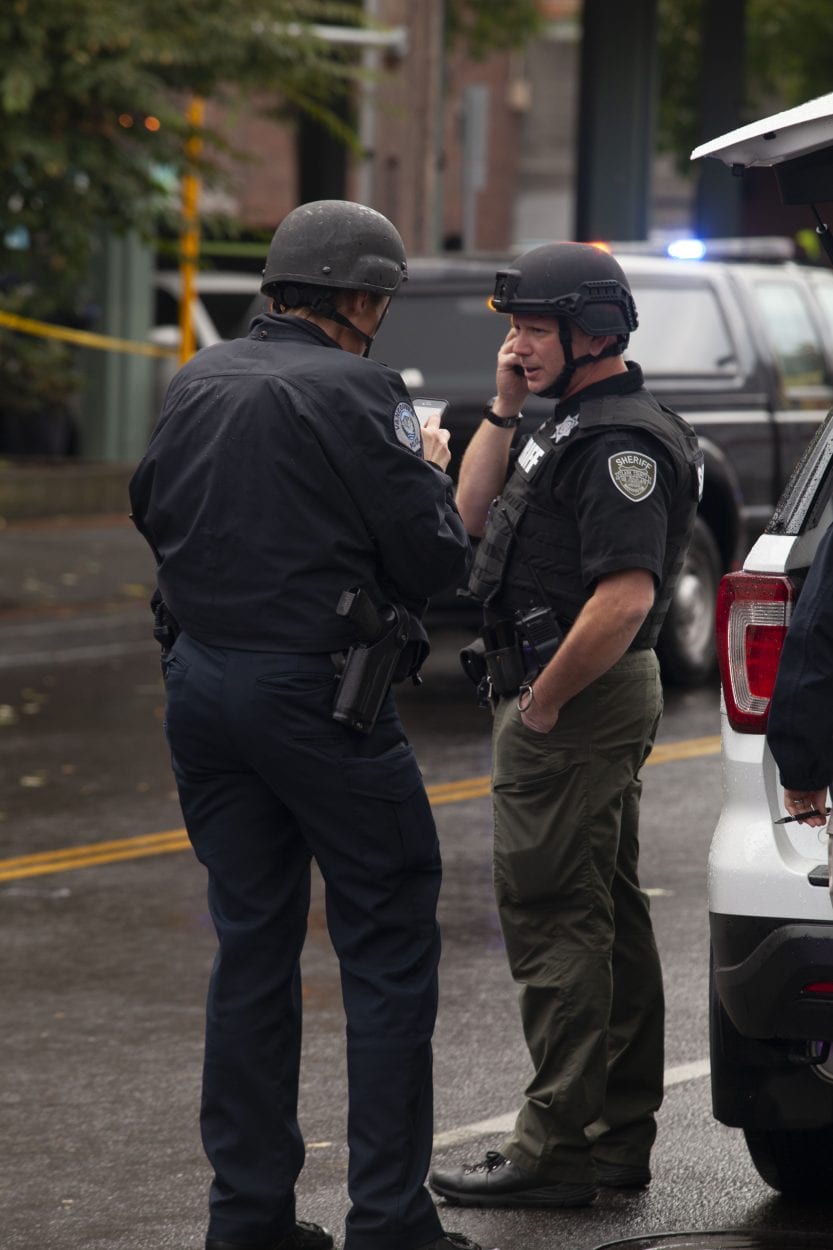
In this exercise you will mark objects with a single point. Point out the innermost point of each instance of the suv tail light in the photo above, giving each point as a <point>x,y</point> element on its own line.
<point>753,612</point>
<point>824,989</point>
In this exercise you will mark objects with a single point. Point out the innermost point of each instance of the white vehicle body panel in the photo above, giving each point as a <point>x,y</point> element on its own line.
<point>783,136</point>
<point>758,868</point>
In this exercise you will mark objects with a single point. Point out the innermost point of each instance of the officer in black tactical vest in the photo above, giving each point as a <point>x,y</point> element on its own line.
<point>575,572</point>
<point>299,526</point>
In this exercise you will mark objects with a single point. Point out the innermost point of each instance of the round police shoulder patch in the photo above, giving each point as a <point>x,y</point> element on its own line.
<point>406,427</point>
<point>633,474</point>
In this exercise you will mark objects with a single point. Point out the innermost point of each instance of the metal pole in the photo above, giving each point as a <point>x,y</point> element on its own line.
<point>371,63</point>
<point>440,97</point>
<point>719,196</point>
<point>616,119</point>
<point>475,119</point>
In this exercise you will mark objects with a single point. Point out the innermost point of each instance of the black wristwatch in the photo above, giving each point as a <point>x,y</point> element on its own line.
<point>505,423</point>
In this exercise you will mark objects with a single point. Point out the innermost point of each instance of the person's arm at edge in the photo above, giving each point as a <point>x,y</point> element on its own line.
<point>601,634</point>
<point>483,473</point>
<point>800,726</point>
<point>802,800</point>
<point>483,468</point>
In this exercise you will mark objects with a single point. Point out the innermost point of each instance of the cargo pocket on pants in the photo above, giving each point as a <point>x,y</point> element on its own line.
<point>541,852</point>
<point>390,812</point>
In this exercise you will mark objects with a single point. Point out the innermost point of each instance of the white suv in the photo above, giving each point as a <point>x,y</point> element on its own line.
<point>222,300</point>
<point>770,912</point>
<point>771,918</point>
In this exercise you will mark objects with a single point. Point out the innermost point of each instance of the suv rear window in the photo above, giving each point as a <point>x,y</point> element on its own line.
<point>228,310</point>
<point>791,332</point>
<point>451,339</point>
<point>823,287</point>
<point>681,332</point>
<point>166,308</point>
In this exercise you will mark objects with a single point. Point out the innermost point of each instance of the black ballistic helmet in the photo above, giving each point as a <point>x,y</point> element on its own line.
<point>572,283</point>
<point>338,245</point>
<point>572,280</point>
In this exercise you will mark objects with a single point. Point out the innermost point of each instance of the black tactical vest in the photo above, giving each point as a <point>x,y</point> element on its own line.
<point>519,559</point>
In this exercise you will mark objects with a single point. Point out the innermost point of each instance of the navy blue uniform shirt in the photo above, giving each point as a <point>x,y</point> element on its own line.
<point>283,471</point>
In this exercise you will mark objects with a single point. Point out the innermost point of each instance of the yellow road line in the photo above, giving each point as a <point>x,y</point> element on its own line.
<point>477,787</point>
<point>458,791</point>
<point>171,840</point>
<point>689,749</point>
<point>70,857</point>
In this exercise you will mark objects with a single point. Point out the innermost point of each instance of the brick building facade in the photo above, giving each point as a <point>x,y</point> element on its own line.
<point>420,116</point>
<point>479,155</point>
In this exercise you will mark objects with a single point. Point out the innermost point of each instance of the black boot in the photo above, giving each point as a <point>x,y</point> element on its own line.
<point>498,1182</point>
<point>304,1236</point>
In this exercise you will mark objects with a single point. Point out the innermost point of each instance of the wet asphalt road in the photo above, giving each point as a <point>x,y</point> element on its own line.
<point>107,946</point>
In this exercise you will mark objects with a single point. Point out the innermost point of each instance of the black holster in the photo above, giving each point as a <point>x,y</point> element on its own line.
<point>165,625</point>
<point>371,664</point>
<point>494,662</point>
<point>503,654</point>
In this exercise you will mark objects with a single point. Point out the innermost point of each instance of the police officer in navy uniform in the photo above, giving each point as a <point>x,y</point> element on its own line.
<point>286,468</point>
<point>575,571</point>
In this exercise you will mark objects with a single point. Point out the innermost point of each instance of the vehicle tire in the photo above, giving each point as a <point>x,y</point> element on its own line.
<point>796,1162</point>
<point>686,646</point>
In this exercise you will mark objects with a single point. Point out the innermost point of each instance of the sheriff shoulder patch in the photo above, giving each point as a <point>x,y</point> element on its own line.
<point>633,473</point>
<point>406,427</point>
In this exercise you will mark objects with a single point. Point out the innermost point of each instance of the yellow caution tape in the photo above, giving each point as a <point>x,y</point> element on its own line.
<point>84,338</point>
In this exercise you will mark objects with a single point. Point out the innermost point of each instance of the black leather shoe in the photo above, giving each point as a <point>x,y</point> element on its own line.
<point>622,1175</point>
<point>304,1236</point>
<point>497,1182</point>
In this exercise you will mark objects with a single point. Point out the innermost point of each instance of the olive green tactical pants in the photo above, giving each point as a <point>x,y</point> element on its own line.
<point>577,926</point>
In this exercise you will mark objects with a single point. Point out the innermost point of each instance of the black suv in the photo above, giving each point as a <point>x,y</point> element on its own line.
<point>743,349</point>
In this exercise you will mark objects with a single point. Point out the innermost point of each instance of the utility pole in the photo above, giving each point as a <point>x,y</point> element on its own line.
<point>718,202</point>
<point>189,241</point>
<point>475,149</point>
<point>616,119</point>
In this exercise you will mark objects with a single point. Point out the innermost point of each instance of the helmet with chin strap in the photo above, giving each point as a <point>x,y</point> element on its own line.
<point>327,246</point>
<point>571,282</point>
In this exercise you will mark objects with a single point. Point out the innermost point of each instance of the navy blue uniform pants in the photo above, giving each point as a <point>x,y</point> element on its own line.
<point>267,781</point>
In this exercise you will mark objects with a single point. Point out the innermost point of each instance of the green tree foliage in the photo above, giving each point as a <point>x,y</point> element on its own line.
<point>788,51</point>
<point>92,102</point>
<point>93,130</point>
<point>787,61</point>
<point>91,105</point>
<point>484,25</point>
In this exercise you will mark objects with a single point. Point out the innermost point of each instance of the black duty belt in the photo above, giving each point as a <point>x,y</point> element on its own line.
<point>510,652</point>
